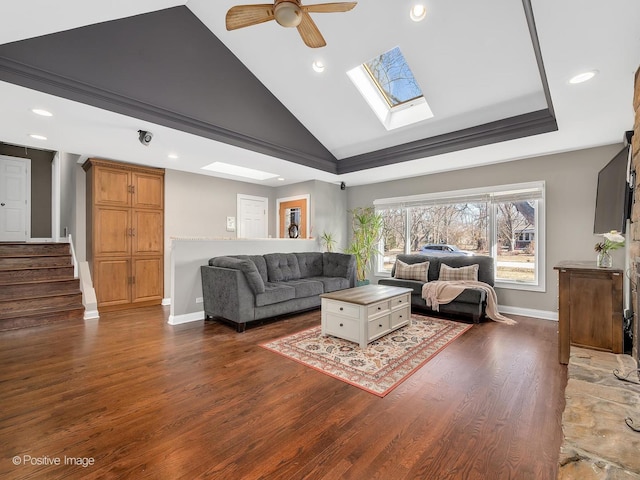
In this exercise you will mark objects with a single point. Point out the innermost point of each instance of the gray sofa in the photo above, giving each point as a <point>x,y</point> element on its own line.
<point>246,288</point>
<point>470,303</point>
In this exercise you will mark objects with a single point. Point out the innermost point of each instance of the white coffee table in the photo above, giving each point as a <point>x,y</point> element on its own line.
<point>364,314</point>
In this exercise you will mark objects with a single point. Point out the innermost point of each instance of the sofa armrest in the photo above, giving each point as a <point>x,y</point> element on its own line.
<point>227,294</point>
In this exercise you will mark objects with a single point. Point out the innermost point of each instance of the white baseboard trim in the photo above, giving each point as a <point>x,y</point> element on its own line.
<point>186,318</point>
<point>528,312</point>
<point>166,301</point>
<point>91,314</point>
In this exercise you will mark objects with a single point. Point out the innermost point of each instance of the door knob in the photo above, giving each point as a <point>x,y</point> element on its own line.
<point>2,204</point>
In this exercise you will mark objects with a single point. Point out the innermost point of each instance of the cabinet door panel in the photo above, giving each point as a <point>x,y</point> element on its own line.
<point>147,279</point>
<point>148,190</point>
<point>591,307</point>
<point>148,232</point>
<point>111,187</point>
<point>112,281</point>
<point>112,231</point>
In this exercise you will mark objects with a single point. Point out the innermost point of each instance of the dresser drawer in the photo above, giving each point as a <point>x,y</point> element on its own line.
<point>342,327</point>
<point>378,326</point>
<point>377,308</point>
<point>400,316</point>
<point>340,308</point>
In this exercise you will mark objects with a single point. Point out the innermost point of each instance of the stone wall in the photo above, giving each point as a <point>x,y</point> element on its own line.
<point>634,234</point>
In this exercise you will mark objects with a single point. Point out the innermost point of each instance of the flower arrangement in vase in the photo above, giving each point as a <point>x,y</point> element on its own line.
<point>612,241</point>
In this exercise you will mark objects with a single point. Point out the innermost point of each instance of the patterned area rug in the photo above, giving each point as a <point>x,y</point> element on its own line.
<point>380,367</point>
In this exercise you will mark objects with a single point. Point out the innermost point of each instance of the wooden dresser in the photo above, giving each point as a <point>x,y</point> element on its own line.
<point>589,308</point>
<point>125,233</point>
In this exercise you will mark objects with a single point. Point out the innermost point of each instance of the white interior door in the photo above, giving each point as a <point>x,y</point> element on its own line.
<point>14,199</point>
<point>252,216</point>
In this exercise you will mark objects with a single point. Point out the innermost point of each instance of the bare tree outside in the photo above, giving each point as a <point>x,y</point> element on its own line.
<point>466,226</point>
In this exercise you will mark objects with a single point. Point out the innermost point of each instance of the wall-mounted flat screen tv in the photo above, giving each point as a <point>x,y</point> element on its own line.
<point>613,198</point>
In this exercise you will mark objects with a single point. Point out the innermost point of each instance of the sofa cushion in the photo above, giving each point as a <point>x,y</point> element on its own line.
<point>331,284</point>
<point>254,279</point>
<point>282,266</point>
<point>274,293</point>
<point>335,264</point>
<point>310,264</point>
<point>414,285</point>
<point>470,273</point>
<point>306,287</point>
<point>417,271</point>
<point>410,259</point>
<point>486,272</point>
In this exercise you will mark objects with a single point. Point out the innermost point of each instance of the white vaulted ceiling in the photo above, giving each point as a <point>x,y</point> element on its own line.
<point>475,61</point>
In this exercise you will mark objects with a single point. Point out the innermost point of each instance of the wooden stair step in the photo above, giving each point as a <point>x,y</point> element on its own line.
<point>39,288</point>
<point>35,261</point>
<point>24,275</point>
<point>21,249</point>
<point>42,317</point>
<point>12,308</point>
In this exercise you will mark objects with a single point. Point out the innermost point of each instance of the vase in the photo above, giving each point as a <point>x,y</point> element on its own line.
<point>604,260</point>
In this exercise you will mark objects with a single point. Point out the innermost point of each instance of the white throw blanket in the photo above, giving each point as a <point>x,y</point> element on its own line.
<point>440,292</point>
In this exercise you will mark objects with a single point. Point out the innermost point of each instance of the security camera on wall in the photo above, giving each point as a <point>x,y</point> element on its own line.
<point>145,137</point>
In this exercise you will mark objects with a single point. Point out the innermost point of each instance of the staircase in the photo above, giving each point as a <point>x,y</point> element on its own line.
<point>37,285</point>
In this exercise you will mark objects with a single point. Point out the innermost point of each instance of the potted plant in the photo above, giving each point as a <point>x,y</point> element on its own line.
<point>367,229</point>
<point>328,241</point>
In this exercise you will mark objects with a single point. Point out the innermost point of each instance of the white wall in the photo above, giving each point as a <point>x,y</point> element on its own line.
<point>571,180</point>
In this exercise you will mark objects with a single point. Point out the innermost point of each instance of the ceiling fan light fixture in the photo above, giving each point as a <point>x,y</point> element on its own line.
<point>418,12</point>
<point>288,14</point>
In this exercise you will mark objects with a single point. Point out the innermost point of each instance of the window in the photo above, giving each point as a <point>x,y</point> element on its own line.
<point>503,222</point>
<point>387,84</point>
<point>393,77</point>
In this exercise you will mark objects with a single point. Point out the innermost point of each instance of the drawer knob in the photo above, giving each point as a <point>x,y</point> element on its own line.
<point>341,310</point>
<point>380,325</point>
<point>342,324</point>
<point>379,308</point>
<point>400,316</point>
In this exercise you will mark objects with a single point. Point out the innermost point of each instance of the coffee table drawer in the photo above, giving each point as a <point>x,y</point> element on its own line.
<point>400,301</point>
<point>345,309</point>
<point>400,316</point>
<point>342,327</point>
<point>378,326</point>
<point>377,308</point>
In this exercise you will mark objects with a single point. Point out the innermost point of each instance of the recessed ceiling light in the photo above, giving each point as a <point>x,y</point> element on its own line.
<point>37,137</point>
<point>238,171</point>
<point>418,12</point>
<point>41,112</point>
<point>173,156</point>
<point>280,179</point>
<point>583,77</point>
<point>318,66</point>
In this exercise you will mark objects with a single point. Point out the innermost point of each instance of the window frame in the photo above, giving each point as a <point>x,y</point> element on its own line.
<point>493,195</point>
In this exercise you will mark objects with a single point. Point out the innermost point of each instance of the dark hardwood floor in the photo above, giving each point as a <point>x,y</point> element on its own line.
<point>144,399</point>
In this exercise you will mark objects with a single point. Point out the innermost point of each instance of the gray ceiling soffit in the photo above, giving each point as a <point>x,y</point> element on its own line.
<point>165,67</point>
<point>528,124</point>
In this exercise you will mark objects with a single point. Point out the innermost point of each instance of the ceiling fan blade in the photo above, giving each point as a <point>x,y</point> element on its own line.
<point>309,32</point>
<point>246,15</point>
<point>329,7</point>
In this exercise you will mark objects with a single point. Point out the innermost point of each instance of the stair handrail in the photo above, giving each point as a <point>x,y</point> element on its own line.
<point>81,271</point>
<point>73,257</point>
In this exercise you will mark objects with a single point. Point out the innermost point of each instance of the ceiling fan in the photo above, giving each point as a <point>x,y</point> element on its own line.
<point>288,13</point>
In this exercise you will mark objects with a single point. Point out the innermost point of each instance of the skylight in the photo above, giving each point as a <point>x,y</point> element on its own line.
<point>389,87</point>
<point>393,77</point>
<point>236,170</point>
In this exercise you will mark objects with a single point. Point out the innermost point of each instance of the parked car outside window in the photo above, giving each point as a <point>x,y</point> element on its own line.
<point>444,249</point>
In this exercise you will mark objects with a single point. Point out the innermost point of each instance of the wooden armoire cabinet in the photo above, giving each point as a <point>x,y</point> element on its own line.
<point>589,308</point>
<point>125,233</point>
